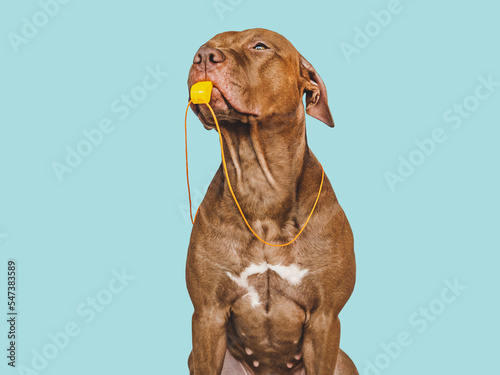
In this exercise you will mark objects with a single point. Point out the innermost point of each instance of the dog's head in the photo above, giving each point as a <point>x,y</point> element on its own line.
<point>256,72</point>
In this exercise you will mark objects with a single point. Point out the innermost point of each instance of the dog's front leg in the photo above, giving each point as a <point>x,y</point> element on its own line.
<point>209,341</point>
<point>321,343</point>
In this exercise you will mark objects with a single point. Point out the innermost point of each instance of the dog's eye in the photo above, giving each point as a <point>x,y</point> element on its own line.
<point>260,46</point>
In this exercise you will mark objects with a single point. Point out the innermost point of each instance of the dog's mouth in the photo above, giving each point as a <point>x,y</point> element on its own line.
<point>217,101</point>
<point>226,107</point>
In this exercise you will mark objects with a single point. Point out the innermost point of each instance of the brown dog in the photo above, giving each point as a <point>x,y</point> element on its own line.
<point>260,309</point>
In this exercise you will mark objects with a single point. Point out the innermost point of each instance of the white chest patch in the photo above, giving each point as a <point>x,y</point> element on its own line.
<point>292,273</point>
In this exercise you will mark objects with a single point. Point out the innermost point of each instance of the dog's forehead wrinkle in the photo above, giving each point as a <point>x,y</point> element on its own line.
<point>231,38</point>
<point>224,36</point>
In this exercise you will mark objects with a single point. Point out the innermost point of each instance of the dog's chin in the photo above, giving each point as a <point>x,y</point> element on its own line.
<point>223,118</point>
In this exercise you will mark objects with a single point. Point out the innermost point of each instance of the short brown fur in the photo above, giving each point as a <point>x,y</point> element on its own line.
<point>258,101</point>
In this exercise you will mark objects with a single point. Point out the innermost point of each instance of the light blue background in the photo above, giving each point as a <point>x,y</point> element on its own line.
<point>124,205</point>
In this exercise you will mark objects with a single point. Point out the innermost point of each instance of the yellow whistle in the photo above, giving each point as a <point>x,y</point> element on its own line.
<point>201,92</point>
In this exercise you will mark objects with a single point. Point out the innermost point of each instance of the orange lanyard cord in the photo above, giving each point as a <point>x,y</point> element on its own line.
<point>231,188</point>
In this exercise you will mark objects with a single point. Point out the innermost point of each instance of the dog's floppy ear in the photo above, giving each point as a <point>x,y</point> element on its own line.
<point>315,90</point>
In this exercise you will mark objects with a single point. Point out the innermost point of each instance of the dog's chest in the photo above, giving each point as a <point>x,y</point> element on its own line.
<point>263,276</point>
<point>268,317</point>
<point>259,281</point>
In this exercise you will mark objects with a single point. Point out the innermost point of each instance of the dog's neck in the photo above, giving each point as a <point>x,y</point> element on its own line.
<point>265,161</point>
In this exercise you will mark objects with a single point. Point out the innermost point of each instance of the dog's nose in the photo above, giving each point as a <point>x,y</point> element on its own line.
<point>208,56</point>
